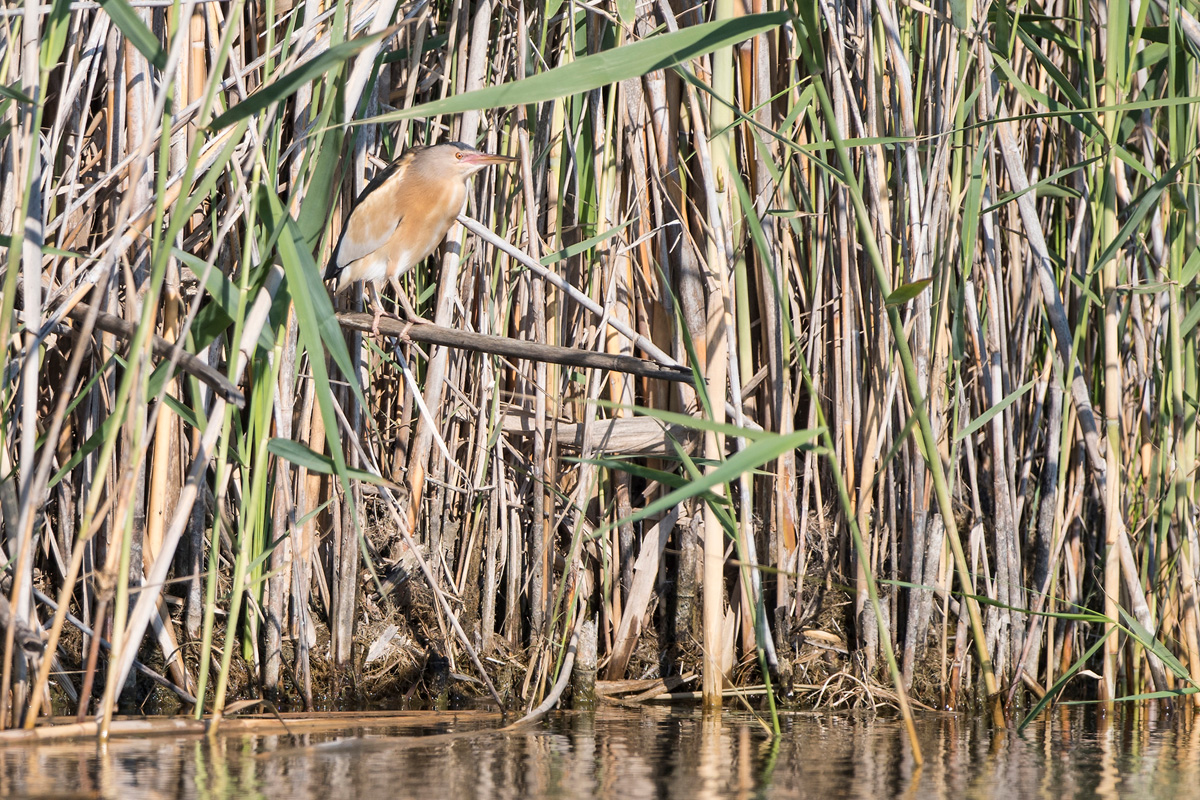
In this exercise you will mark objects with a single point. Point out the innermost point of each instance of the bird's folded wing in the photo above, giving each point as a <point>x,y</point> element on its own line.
<point>374,219</point>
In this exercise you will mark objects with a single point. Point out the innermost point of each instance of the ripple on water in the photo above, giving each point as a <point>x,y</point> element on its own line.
<point>628,755</point>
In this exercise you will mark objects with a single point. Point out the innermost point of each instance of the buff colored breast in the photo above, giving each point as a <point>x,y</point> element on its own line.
<point>401,219</point>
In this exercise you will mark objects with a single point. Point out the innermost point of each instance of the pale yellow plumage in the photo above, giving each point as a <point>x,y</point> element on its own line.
<point>403,216</point>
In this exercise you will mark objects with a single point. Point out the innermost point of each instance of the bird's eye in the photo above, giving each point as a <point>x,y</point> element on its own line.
<point>458,155</point>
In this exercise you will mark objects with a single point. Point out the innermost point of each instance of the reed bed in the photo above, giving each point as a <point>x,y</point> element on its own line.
<point>928,270</point>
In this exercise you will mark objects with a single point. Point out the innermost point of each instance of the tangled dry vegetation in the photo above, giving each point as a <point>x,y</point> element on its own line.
<point>911,288</point>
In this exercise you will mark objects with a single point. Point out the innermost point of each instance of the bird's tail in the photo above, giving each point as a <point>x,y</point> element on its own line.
<point>339,276</point>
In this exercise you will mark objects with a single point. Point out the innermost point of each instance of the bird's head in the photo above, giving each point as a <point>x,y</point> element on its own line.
<point>455,159</point>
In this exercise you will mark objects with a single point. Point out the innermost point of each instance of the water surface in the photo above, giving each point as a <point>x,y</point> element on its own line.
<point>626,755</point>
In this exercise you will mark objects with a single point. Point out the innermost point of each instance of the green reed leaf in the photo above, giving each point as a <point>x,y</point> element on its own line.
<point>141,37</point>
<point>287,84</point>
<point>592,72</point>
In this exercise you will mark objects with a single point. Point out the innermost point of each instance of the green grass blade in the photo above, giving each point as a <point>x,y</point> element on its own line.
<point>1057,688</point>
<point>581,247</point>
<point>1144,205</point>
<point>753,457</point>
<point>313,461</point>
<point>694,423</point>
<point>287,84</point>
<point>986,417</point>
<point>601,69</point>
<point>13,93</point>
<point>125,18</point>
<point>670,479</point>
<point>907,291</point>
<point>314,310</point>
<point>1148,641</point>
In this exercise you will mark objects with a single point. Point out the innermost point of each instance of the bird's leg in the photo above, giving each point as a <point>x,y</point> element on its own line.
<point>378,302</point>
<point>403,302</point>
<point>410,312</point>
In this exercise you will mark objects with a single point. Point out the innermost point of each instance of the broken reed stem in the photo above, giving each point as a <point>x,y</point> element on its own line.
<point>514,348</point>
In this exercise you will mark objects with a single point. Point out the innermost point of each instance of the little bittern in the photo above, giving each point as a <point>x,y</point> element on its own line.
<point>402,216</point>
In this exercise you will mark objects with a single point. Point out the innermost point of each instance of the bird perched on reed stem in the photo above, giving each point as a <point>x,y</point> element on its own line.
<point>402,216</point>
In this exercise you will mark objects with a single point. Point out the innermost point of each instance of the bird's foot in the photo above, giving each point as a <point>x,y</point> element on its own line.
<point>408,326</point>
<point>375,320</point>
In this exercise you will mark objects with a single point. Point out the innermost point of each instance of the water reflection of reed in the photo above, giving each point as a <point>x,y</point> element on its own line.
<point>637,756</point>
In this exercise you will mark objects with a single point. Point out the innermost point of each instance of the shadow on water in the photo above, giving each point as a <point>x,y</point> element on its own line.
<point>657,753</point>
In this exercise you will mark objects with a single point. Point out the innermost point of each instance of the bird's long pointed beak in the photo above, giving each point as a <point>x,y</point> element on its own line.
<point>483,159</point>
